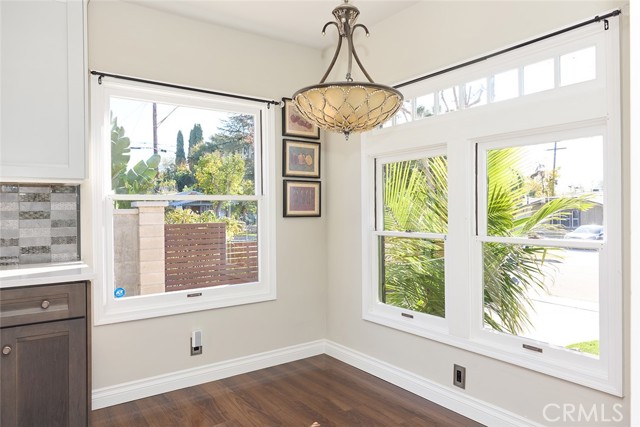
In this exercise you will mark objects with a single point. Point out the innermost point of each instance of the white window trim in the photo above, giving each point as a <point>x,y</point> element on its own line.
<point>460,132</point>
<point>106,308</point>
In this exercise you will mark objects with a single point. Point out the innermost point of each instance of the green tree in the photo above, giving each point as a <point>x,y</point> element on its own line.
<point>180,156</point>
<point>142,177</point>
<point>236,136</point>
<point>198,151</point>
<point>221,175</point>
<point>195,137</point>
<point>181,176</point>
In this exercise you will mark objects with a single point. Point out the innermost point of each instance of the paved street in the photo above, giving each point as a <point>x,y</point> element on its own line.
<point>569,313</point>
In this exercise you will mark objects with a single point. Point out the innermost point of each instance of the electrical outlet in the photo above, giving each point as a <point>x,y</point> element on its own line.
<point>459,376</point>
<point>196,343</point>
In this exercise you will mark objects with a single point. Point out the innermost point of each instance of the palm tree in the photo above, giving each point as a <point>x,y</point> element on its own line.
<point>413,267</point>
<point>415,199</point>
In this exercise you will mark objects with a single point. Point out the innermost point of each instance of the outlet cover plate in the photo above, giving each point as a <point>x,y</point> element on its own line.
<point>459,376</point>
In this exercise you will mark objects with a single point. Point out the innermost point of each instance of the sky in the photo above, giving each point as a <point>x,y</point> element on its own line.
<point>578,161</point>
<point>136,118</point>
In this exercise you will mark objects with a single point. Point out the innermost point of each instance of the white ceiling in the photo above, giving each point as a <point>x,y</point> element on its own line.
<point>298,21</point>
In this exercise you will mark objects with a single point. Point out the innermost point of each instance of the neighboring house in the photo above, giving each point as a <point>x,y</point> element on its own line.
<point>574,218</point>
<point>198,206</point>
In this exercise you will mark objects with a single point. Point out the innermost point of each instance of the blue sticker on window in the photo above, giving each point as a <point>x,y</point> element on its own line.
<point>119,292</point>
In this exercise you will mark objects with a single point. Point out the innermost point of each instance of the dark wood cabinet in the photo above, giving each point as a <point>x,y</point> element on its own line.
<point>44,356</point>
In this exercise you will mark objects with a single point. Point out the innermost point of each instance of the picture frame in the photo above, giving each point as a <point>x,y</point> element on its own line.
<point>301,198</point>
<point>294,124</point>
<point>300,159</point>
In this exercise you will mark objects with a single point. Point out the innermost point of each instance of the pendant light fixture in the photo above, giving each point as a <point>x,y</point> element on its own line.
<point>347,106</point>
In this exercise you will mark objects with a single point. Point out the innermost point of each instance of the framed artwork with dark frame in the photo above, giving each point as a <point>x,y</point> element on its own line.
<point>300,159</point>
<point>301,198</point>
<point>294,124</point>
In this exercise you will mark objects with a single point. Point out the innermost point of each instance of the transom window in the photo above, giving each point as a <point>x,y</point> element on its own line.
<point>561,70</point>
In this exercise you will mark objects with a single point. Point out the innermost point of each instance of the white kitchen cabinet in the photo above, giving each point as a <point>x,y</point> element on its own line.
<point>42,90</point>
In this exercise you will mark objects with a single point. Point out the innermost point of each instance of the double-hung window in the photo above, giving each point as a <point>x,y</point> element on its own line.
<point>492,220</point>
<point>182,187</point>
<point>410,230</point>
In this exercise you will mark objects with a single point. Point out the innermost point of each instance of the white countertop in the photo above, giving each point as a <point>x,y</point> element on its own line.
<point>44,274</point>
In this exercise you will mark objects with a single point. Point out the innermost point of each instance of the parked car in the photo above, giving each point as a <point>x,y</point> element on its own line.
<point>586,232</point>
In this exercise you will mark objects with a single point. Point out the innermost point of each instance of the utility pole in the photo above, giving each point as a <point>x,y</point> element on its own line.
<point>553,170</point>
<point>155,128</point>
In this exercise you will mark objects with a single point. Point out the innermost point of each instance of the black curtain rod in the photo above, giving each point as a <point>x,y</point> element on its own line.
<point>509,49</point>
<point>100,75</point>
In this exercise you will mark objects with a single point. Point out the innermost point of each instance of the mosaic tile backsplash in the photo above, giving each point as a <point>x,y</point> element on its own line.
<point>39,223</point>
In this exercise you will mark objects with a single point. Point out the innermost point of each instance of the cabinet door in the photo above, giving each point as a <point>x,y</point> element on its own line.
<point>44,375</point>
<point>42,89</point>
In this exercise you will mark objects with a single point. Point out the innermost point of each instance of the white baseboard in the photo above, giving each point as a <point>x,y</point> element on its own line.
<point>456,401</point>
<point>126,392</point>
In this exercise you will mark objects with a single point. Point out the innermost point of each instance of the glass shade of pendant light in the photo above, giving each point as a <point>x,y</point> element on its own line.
<point>347,106</point>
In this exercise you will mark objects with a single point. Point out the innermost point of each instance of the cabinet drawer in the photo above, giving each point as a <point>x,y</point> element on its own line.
<point>35,304</point>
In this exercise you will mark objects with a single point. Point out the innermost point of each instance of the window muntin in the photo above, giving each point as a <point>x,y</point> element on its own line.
<point>239,209</point>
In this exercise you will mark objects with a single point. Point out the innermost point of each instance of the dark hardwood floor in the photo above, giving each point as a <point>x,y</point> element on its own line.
<point>319,390</point>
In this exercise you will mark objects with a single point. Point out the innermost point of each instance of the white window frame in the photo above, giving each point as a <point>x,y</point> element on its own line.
<point>376,308</point>
<point>108,309</point>
<point>595,110</point>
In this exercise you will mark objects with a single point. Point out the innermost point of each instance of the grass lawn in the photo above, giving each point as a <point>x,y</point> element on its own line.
<point>591,347</point>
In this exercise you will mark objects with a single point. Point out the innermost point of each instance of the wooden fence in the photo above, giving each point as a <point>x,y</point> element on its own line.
<point>198,256</point>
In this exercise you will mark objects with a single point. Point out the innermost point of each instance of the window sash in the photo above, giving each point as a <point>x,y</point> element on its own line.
<point>107,309</point>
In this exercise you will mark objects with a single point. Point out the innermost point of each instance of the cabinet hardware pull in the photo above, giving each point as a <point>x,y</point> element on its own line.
<point>6,350</point>
<point>45,304</point>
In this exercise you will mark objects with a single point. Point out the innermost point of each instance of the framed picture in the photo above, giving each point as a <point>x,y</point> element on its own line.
<point>301,198</point>
<point>300,159</point>
<point>294,124</point>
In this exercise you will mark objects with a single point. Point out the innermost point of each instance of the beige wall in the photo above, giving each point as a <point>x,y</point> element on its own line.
<point>428,36</point>
<point>133,40</point>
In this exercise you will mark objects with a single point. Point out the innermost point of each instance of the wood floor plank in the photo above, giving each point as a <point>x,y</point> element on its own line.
<point>297,394</point>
